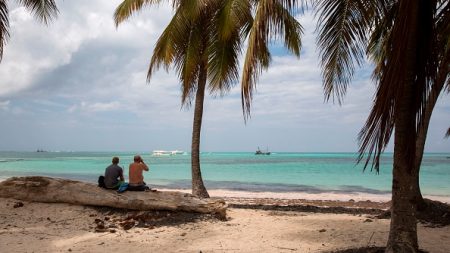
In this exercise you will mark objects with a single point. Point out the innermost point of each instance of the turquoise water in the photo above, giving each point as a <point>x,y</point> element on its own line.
<point>279,172</point>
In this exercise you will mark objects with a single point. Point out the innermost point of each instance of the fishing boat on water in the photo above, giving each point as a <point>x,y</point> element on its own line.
<point>260,152</point>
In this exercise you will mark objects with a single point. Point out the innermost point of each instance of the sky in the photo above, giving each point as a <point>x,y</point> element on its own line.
<point>79,84</point>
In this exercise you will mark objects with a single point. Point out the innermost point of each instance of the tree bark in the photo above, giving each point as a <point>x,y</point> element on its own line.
<point>403,227</point>
<point>56,190</point>
<point>198,188</point>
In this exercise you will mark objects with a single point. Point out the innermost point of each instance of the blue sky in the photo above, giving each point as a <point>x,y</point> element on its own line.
<point>80,84</point>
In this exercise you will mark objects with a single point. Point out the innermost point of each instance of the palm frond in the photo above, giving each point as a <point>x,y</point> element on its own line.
<point>4,26</point>
<point>448,133</point>
<point>271,20</point>
<point>232,15</point>
<point>443,35</point>
<point>223,65</point>
<point>180,44</point>
<point>227,25</point>
<point>189,62</point>
<point>378,42</point>
<point>44,10</point>
<point>165,48</point>
<point>397,79</point>
<point>343,28</point>
<point>257,59</point>
<point>129,7</point>
<point>194,8</point>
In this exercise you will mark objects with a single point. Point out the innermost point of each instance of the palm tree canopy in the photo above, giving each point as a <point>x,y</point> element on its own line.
<point>44,10</point>
<point>350,29</point>
<point>213,31</point>
<point>201,33</point>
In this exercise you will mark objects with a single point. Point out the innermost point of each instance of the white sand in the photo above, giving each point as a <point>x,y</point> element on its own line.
<point>38,227</point>
<point>308,196</point>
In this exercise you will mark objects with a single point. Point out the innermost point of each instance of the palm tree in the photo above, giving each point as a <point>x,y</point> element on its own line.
<point>437,84</point>
<point>44,10</point>
<point>408,41</point>
<point>198,51</point>
<point>203,42</point>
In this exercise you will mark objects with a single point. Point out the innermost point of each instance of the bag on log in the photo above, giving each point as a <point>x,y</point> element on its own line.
<point>101,182</point>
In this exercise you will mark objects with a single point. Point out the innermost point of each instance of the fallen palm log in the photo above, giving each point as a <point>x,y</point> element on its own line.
<point>57,190</point>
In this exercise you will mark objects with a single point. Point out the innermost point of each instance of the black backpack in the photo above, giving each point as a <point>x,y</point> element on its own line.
<point>101,182</point>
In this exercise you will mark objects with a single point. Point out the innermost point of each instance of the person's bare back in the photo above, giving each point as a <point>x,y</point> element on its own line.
<point>136,170</point>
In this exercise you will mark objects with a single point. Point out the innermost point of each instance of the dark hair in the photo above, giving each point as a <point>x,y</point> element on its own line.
<point>137,158</point>
<point>115,160</point>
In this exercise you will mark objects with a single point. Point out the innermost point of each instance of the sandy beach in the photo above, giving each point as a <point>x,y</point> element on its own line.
<point>40,227</point>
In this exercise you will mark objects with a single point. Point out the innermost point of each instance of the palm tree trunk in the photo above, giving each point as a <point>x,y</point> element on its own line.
<point>198,188</point>
<point>423,128</point>
<point>420,146</point>
<point>403,228</point>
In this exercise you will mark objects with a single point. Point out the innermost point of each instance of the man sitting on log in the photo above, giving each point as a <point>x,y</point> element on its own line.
<point>114,174</point>
<point>136,177</point>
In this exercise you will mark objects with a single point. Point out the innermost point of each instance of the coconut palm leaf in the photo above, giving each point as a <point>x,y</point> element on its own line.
<point>129,7</point>
<point>342,39</point>
<point>188,61</point>
<point>273,19</point>
<point>4,26</point>
<point>44,10</point>
<point>180,44</point>
<point>231,21</point>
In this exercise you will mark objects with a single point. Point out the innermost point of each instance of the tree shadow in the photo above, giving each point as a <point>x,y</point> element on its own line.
<point>431,213</point>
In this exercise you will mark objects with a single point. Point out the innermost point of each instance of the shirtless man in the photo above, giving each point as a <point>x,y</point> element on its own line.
<point>136,177</point>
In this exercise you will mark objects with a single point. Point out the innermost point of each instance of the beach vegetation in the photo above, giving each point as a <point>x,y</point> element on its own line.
<point>44,10</point>
<point>408,42</point>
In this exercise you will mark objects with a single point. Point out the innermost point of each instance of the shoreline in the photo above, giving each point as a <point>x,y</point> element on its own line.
<point>291,195</point>
<point>341,197</point>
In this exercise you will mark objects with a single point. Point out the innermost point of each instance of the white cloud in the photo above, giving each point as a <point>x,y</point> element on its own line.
<point>35,49</point>
<point>94,107</point>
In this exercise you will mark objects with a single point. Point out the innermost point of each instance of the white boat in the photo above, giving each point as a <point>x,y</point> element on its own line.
<point>177,152</point>
<point>167,153</point>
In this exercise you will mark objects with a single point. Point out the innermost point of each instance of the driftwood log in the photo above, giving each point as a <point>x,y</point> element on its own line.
<point>56,190</point>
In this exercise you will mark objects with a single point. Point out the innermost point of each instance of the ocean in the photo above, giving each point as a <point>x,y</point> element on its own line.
<point>309,173</point>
